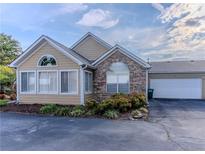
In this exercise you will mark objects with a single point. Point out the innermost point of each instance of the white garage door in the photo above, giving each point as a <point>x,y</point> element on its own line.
<point>177,88</point>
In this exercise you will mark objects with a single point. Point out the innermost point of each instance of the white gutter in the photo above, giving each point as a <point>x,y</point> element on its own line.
<point>82,86</point>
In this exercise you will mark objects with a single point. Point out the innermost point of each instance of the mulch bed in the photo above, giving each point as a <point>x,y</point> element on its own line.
<point>26,108</point>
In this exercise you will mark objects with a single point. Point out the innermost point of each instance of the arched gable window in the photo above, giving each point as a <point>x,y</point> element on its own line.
<point>47,60</point>
<point>118,78</point>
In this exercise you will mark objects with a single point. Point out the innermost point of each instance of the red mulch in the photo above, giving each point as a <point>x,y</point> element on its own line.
<point>26,108</point>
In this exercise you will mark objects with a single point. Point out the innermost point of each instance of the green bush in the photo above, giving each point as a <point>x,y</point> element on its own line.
<point>90,104</point>
<point>107,104</point>
<point>137,100</point>
<point>3,103</point>
<point>62,111</point>
<point>111,114</point>
<point>77,111</point>
<point>116,102</point>
<point>91,112</point>
<point>48,109</point>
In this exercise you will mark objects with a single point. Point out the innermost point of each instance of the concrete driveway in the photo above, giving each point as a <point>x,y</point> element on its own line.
<point>173,125</point>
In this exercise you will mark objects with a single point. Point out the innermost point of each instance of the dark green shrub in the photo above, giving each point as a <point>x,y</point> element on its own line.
<point>111,114</point>
<point>77,111</point>
<point>62,111</point>
<point>107,104</point>
<point>90,104</point>
<point>3,103</point>
<point>90,112</point>
<point>137,100</point>
<point>48,109</point>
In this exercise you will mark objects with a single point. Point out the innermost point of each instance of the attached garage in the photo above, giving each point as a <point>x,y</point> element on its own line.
<point>178,79</point>
<point>177,88</point>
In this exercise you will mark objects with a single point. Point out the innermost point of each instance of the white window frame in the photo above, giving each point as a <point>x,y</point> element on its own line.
<point>46,66</point>
<point>118,83</point>
<point>27,71</point>
<point>67,93</point>
<point>88,92</point>
<point>49,93</point>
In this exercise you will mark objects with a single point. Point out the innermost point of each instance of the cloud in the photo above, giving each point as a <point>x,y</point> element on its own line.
<point>159,7</point>
<point>98,18</point>
<point>71,8</point>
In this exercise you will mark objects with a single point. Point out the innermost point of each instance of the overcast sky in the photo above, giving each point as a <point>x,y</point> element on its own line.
<point>157,31</point>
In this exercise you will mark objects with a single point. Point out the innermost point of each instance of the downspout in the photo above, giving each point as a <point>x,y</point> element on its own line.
<point>147,82</point>
<point>17,86</point>
<point>82,86</point>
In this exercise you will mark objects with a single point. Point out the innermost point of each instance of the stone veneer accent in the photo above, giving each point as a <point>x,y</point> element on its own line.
<point>137,75</point>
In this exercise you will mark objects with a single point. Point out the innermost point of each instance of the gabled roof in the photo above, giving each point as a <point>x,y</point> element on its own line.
<point>123,51</point>
<point>42,39</point>
<point>190,66</point>
<point>89,34</point>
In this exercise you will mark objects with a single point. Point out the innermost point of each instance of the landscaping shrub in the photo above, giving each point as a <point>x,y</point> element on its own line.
<point>3,103</point>
<point>111,114</point>
<point>90,104</point>
<point>77,111</point>
<point>107,104</point>
<point>48,109</point>
<point>118,102</point>
<point>137,100</point>
<point>63,111</point>
<point>91,112</point>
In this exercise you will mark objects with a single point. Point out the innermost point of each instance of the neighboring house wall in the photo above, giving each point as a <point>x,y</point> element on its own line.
<point>137,75</point>
<point>63,63</point>
<point>90,48</point>
<point>180,76</point>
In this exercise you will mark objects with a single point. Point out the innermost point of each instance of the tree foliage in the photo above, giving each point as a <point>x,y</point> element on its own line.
<point>7,78</point>
<point>9,49</point>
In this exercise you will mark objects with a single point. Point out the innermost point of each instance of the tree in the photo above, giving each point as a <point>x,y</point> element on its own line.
<point>7,78</point>
<point>9,49</point>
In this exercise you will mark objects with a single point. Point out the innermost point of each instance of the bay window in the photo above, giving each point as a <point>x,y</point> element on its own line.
<point>118,78</point>
<point>69,82</point>
<point>28,84</point>
<point>47,82</point>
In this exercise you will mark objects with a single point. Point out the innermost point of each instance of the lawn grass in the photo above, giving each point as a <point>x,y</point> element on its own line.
<point>3,102</point>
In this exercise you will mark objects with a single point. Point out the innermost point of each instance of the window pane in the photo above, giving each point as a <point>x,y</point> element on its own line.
<point>111,78</point>
<point>52,82</point>
<point>31,81</point>
<point>72,81</point>
<point>47,61</point>
<point>43,81</point>
<point>90,82</point>
<point>24,81</point>
<point>112,88</point>
<point>123,78</point>
<point>86,81</point>
<point>123,88</point>
<point>64,82</point>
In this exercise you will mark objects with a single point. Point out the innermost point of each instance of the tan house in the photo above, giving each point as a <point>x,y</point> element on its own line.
<point>49,72</point>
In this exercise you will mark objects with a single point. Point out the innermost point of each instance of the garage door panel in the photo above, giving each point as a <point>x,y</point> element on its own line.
<point>177,88</point>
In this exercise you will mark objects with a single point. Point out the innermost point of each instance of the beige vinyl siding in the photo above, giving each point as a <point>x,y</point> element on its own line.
<point>180,76</point>
<point>63,63</point>
<point>90,48</point>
